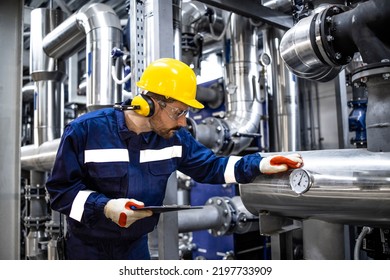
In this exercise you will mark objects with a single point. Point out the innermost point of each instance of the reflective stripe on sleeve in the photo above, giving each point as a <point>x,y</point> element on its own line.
<point>229,170</point>
<point>78,205</point>
<point>106,155</point>
<point>162,154</point>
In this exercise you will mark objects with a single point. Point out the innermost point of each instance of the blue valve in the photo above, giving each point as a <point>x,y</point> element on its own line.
<point>116,52</point>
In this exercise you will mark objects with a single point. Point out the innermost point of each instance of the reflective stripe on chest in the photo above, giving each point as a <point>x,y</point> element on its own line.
<point>122,155</point>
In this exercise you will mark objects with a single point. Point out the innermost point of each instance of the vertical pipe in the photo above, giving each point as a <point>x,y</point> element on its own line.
<point>177,20</point>
<point>103,32</point>
<point>243,99</point>
<point>101,88</point>
<point>378,116</point>
<point>284,125</point>
<point>48,74</point>
<point>318,117</point>
<point>342,110</point>
<point>11,28</point>
<point>312,120</point>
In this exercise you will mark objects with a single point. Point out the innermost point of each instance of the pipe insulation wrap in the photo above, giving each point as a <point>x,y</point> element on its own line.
<point>350,186</point>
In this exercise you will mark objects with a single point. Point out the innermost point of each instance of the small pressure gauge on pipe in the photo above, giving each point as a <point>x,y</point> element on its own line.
<point>301,180</point>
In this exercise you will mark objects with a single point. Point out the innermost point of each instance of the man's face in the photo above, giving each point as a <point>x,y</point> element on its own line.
<point>168,118</point>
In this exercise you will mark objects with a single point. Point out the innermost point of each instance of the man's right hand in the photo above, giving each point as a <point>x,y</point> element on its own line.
<point>119,211</point>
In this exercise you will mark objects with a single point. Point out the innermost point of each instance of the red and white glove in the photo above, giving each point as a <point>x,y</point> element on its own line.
<point>278,163</point>
<point>119,211</point>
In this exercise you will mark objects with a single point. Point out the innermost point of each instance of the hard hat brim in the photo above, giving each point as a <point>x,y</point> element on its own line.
<point>192,103</point>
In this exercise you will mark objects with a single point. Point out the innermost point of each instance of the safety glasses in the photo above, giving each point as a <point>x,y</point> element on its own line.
<point>173,112</point>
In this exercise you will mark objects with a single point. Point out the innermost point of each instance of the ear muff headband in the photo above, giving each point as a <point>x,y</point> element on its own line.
<point>145,104</point>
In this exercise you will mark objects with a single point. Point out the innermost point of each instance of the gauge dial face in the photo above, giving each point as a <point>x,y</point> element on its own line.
<point>300,180</point>
<point>265,59</point>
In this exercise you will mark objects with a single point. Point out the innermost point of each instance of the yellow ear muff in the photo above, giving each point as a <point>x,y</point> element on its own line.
<point>145,104</point>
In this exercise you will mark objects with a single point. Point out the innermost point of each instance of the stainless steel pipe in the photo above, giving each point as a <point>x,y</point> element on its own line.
<point>220,215</point>
<point>101,27</point>
<point>199,219</point>
<point>39,158</point>
<point>350,186</point>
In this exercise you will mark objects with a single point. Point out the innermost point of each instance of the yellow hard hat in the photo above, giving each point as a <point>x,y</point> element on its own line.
<point>171,78</point>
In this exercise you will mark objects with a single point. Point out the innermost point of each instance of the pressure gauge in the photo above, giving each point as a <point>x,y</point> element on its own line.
<point>300,180</point>
<point>265,59</point>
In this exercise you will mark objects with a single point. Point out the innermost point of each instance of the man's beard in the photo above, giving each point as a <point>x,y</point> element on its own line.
<point>168,133</point>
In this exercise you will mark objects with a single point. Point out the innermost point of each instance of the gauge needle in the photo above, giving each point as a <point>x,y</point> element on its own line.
<point>300,179</point>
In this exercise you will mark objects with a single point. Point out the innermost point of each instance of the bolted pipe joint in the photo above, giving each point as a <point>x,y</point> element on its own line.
<point>220,216</point>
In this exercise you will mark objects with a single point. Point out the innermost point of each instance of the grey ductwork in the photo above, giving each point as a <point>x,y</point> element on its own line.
<point>103,32</point>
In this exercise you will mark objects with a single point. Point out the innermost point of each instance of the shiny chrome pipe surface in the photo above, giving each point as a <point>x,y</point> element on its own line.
<point>39,158</point>
<point>350,186</point>
<point>101,27</point>
<point>304,52</point>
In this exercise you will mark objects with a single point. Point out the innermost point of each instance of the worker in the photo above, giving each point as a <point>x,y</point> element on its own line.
<point>114,160</point>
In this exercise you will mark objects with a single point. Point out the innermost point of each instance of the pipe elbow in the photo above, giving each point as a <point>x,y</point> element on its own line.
<point>96,15</point>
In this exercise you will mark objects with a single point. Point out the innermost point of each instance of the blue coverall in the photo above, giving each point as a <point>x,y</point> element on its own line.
<point>100,159</point>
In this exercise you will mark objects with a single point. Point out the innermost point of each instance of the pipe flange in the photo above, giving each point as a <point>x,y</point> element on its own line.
<point>191,126</point>
<point>219,135</point>
<point>227,214</point>
<point>324,29</point>
<point>362,74</point>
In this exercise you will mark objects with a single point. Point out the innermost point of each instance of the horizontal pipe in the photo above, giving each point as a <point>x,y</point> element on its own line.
<point>39,158</point>
<point>199,219</point>
<point>350,186</point>
<point>65,40</point>
<point>28,92</point>
<point>220,215</point>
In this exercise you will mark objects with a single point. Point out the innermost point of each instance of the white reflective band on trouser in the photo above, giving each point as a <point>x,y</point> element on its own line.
<point>78,205</point>
<point>229,170</point>
<point>156,155</point>
<point>106,155</point>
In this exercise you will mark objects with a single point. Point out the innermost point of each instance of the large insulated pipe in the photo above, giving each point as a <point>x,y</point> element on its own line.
<point>48,74</point>
<point>350,186</point>
<point>39,158</point>
<point>243,97</point>
<point>319,46</point>
<point>103,32</point>
<point>243,102</point>
<point>283,96</point>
